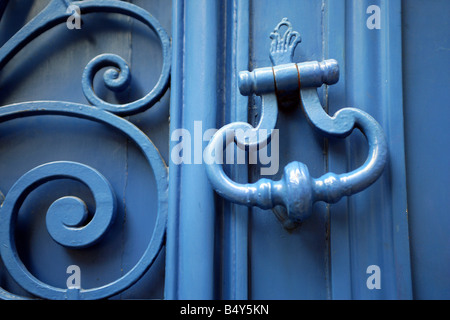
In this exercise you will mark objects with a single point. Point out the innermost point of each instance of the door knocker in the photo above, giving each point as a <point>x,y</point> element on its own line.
<point>292,197</point>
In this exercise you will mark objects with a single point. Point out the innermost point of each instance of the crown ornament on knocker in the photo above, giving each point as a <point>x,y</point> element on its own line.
<point>292,197</point>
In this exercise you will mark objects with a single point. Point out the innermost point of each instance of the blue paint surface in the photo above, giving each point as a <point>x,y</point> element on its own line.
<point>426,43</point>
<point>215,249</point>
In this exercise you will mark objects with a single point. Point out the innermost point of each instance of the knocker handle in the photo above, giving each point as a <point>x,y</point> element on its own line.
<point>296,191</point>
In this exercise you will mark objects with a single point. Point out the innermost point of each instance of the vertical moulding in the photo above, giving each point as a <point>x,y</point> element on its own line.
<point>395,182</point>
<point>235,217</point>
<point>176,107</point>
<point>369,228</point>
<point>191,225</point>
<point>339,255</point>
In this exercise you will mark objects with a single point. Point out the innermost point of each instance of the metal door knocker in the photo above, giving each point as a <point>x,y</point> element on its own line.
<point>293,196</point>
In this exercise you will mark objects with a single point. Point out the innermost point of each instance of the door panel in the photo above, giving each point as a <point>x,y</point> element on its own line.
<point>328,255</point>
<point>289,265</point>
<point>425,43</point>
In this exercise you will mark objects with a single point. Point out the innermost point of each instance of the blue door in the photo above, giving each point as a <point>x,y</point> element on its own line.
<point>235,149</point>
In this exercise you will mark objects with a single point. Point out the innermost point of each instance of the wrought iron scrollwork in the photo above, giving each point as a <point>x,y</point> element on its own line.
<point>293,196</point>
<point>65,218</point>
<point>118,76</point>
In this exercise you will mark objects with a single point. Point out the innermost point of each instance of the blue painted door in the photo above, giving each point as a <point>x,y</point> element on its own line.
<point>130,156</point>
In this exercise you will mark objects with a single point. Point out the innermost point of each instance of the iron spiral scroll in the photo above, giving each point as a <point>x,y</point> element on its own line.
<point>66,217</point>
